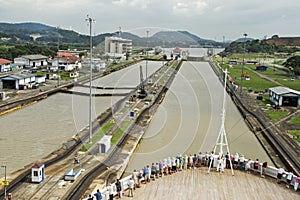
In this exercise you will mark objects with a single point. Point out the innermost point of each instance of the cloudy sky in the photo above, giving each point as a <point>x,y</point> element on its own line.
<point>209,19</point>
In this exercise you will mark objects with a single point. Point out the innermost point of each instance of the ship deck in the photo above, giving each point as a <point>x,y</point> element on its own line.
<point>198,184</point>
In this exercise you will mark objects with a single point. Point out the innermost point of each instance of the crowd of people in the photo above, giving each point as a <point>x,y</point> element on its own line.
<point>172,165</point>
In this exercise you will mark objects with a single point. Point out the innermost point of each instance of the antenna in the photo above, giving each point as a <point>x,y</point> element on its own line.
<point>222,139</point>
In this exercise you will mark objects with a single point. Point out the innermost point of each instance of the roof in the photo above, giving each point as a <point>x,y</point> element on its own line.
<point>69,59</point>
<point>18,76</point>
<point>284,90</point>
<point>34,57</point>
<point>4,61</point>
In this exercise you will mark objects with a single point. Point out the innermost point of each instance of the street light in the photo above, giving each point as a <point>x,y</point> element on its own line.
<point>242,76</point>
<point>90,21</point>
<point>147,56</point>
<point>5,182</point>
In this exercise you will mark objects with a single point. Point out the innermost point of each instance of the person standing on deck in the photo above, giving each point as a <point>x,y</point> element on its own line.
<point>289,178</point>
<point>241,162</point>
<point>185,161</point>
<point>280,172</point>
<point>235,160</point>
<point>296,184</point>
<point>98,195</point>
<point>227,158</point>
<point>119,188</point>
<point>130,187</point>
<point>111,191</point>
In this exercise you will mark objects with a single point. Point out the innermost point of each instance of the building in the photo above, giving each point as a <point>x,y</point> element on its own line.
<point>65,61</point>
<point>283,96</point>
<point>21,80</point>
<point>116,46</point>
<point>5,65</point>
<point>31,61</point>
<point>261,68</point>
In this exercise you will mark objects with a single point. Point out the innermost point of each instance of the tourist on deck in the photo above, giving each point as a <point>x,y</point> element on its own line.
<point>206,158</point>
<point>130,187</point>
<point>211,159</point>
<point>135,175</point>
<point>90,197</point>
<point>201,159</point>
<point>174,165</point>
<point>145,173</point>
<point>153,171</point>
<point>248,166</point>
<point>296,183</point>
<point>169,163</point>
<point>191,157</point>
<point>255,166</point>
<point>227,158</point>
<point>119,187</point>
<point>161,168</point>
<point>195,160</point>
<point>235,160</point>
<point>98,195</point>
<point>241,162</point>
<point>111,191</point>
<point>289,178</point>
<point>264,169</point>
<point>280,172</point>
<point>157,170</point>
<point>185,162</point>
<point>180,162</point>
<point>149,173</point>
<point>220,164</point>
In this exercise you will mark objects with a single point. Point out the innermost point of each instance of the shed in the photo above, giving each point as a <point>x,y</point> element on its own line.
<point>284,96</point>
<point>104,144</point>
<point>261,68</point>
<point>38,173</point>
<point>18,81</point>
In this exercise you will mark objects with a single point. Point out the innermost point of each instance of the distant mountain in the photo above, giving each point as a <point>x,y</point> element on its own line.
<point>25,32</point>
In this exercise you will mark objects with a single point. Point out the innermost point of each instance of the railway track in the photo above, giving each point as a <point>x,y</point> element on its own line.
<point>285,147</point>
<point>19,181</point>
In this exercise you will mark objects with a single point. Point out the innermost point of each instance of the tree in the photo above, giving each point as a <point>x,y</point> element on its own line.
<point>293,63</point>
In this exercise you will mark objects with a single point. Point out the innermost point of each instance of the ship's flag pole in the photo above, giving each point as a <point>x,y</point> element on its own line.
<point>222,139</point>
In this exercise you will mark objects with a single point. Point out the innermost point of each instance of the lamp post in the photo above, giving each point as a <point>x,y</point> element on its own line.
<point>242,76</point>
<point>90,21</point>
<point>5,182</point>
<point>147,56</point>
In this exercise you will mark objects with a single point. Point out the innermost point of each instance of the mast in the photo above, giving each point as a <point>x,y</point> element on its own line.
<point>222,138</point>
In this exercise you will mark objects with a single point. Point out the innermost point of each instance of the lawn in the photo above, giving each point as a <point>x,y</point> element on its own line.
<point>276,115</point>
<point>98,135</point>
<point>255,82</point>
<point>295,120</point>
<point>119,132</point>
<point>295,134</point>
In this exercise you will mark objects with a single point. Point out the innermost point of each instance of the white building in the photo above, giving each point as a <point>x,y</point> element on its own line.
<point>283,96</point>
<point>21,80</point>
<point>116,46</point>
<point>5,65</point>
<point>31,61</point>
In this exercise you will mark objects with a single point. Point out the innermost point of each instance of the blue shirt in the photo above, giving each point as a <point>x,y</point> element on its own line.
<point>98,196</point>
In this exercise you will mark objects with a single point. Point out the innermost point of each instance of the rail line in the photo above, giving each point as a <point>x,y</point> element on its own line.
<point>286,147</point>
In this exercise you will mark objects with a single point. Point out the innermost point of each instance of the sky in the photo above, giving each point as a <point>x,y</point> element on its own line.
<point>209,19</point>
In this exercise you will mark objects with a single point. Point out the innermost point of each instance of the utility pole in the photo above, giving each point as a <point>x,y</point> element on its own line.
<point>147,56</point>
<point>58,56</point>
<point>90,21</point>
<point>242,76</point>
